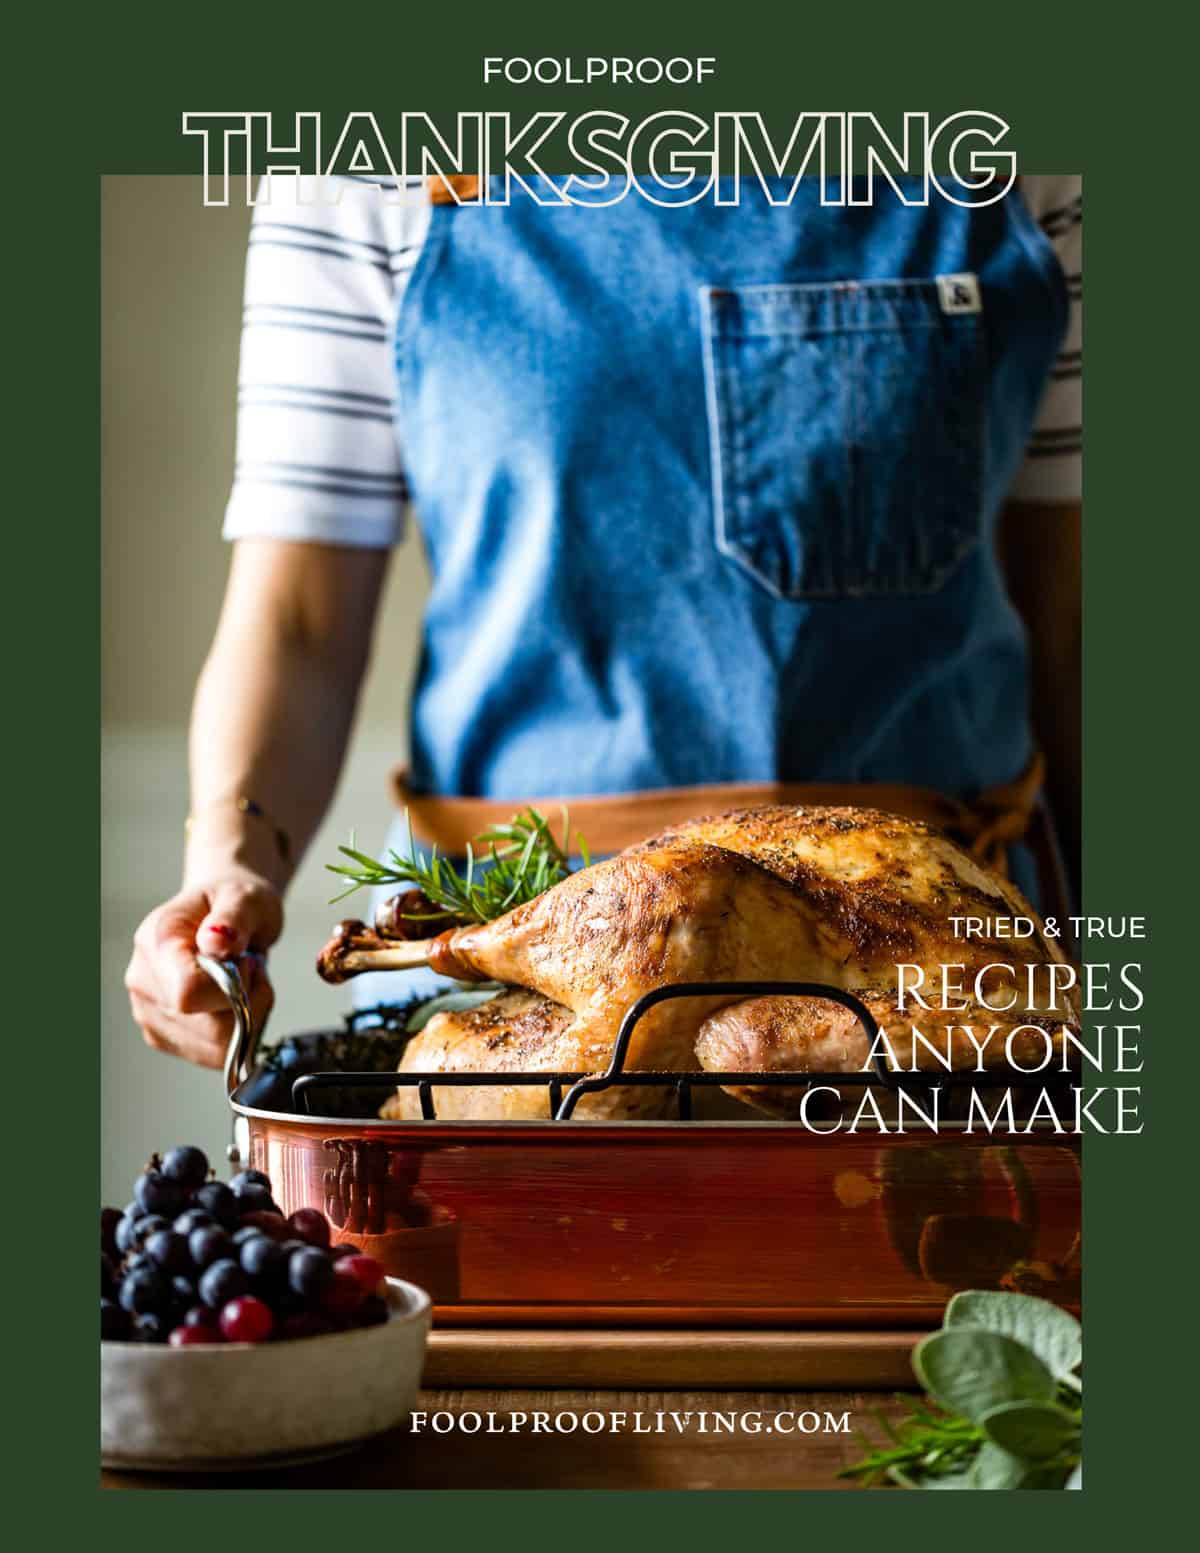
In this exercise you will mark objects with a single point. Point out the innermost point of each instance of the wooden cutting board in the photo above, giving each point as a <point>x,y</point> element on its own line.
<point>742,1360</point>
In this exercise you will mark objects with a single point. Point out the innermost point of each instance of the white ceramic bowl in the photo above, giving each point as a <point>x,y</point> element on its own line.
<point>245,1405</point>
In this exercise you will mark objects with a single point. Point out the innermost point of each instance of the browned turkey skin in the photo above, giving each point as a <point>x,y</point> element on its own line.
<point>836,895</point>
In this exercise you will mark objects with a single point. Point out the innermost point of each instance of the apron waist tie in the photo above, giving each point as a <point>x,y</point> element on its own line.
<point>985,825</point>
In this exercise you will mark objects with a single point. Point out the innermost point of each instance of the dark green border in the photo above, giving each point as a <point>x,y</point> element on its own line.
<point>1080,96</point>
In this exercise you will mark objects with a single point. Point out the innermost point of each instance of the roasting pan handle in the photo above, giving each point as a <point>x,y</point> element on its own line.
<point>243,1043</point>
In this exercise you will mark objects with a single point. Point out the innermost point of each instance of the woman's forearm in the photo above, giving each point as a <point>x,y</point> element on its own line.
<point>276,701</point>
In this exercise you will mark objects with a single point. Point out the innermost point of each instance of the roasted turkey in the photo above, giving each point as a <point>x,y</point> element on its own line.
<point>836,895</point>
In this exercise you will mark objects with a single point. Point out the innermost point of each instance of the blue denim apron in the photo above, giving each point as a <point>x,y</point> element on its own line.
<point>709,492</point>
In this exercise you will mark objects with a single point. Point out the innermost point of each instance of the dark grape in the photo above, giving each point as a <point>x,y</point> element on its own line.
<point>109,1219</point>
<point>200,1316</point>
<point>311,1225</point>
<point>114,1322</point>
<point>186,1165</point>
<point>222,1282</point>
<point>157,1193</point>
<point>169,1250</point>
<point>216,1198</point>
<point>263,1261</point>
<point>245,1178</point>
<point>344,1248</point>
<point>305,1323</point>
<point>183,1292</point>
<point>126,1234</point>
<point>256,1199</point>
<point>139,1262</point>
<point>149,1224</point>
<point>193,1218</point>
<point>151,1328</point>
<point>247,1232</point>
<point>373,1311</point>
<point>295,1245</point>
<point>208,1244</point>
<point>310,1272</point>
<point>271,1223</point>
<point>284,1299</point>
<point>143,1291</point>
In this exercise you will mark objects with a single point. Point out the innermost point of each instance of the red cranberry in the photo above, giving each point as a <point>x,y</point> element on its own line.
<point>345,1294</point>
<point>246,1320</point>
<point>190,1337</point>
<point>365,1269</point>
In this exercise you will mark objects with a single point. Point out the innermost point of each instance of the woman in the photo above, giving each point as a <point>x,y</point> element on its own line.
<point>733,500</point>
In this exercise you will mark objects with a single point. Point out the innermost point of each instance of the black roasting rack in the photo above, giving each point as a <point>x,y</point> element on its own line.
<point>565,1090</point>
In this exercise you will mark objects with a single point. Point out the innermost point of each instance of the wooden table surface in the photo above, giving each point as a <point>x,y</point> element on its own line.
<point>653,1460</point>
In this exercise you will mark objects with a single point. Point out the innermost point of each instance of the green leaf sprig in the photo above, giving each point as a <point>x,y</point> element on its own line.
<point>926,1443</point>
<point>1007,1401</point>
<point>505,866</point>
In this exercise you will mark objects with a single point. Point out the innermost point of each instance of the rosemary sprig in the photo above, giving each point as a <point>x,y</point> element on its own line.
<point>930,1443</point>
<point>514,863</point>
<point>934,1444</point>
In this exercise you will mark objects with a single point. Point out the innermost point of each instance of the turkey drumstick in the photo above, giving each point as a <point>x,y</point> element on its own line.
<point>355,949</point>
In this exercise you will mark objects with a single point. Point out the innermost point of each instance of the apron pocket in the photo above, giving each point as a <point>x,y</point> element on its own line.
<point>846,428</point>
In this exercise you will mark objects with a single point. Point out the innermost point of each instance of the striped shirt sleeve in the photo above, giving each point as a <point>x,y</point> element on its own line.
<point>319,454</point>
<point>1053,468</point>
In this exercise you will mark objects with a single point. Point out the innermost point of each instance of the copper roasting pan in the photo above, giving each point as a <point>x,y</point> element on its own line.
<point>682,1223</point>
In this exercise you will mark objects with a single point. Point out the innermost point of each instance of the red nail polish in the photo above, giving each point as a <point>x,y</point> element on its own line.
<point>220,930</point>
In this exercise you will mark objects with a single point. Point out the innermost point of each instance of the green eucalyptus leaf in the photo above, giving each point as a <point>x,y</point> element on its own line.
<point>995,1467</point>
<point>450,1003</point>
<point>970,1371</point>
<point>1052,1334</point>
<point>1076,1478</point>
<point>1035,1431</point>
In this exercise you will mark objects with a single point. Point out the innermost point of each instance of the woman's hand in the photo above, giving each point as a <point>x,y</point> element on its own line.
<point>179,1008</point>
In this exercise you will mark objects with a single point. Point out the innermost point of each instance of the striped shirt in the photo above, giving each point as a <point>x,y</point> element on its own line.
<point>320,456</point>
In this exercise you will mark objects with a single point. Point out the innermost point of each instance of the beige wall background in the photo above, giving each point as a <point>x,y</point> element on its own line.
<point>171,285</point>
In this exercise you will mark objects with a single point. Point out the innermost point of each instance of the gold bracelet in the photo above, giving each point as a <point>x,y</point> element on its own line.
<point>255,811</point>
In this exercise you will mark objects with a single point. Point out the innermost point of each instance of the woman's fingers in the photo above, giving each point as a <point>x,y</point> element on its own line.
<point>176,1004</point>
<point>241,915</point>
<point>165,944</point>
<point>199,1038</point>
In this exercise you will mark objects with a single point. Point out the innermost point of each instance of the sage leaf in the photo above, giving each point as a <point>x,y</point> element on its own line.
<point>970,1371</point>
<point>995,1467</point>
<point>450,1003</point>
<point>1054,1335</point>
<point>1045,1474</point>
<point>1035,1431</point>
<point>932,1480</point>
